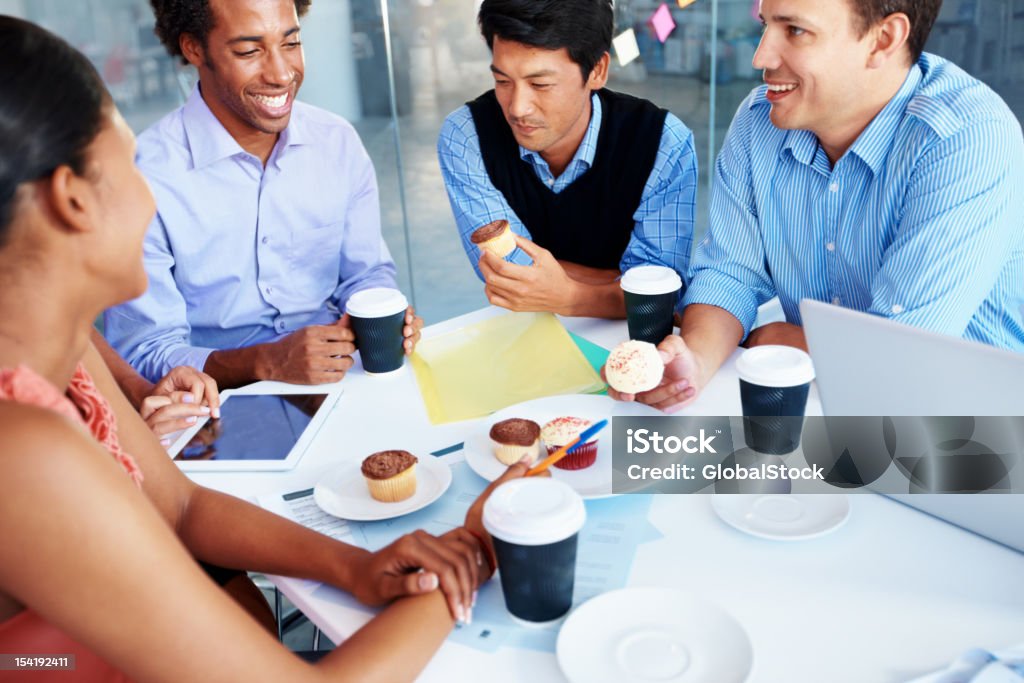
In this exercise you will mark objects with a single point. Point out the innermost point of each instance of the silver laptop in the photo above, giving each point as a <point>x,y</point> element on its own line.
<point>867,365</point>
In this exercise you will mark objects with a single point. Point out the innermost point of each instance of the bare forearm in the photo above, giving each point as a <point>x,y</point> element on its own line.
<point>271,544</point>
<point>423,622</point>
<point>235,367</point>
<point>588,275</point>
<point>131,383</point>
<point>597,301</point>
<point>712,333</point>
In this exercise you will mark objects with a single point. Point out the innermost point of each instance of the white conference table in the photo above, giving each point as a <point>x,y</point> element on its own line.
<point>890,595</point>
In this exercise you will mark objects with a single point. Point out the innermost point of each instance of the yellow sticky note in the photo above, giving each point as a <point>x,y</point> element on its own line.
<point>478,369</point>
<point>685,3</point>
<point>625,46</point>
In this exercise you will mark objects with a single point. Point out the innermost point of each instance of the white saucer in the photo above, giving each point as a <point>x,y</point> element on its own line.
<point>343,492</point>
<point>790,517</point>
<point>639,635</point>
<point>592,482</point>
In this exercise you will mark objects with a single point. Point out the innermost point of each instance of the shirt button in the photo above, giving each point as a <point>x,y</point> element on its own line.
<point>834,187</point>
<point>551,181</point>
<point>897,309</point>
<point>830,246</point>
<point>265,240</point>
<point>835,301</point>
<point>279,326</point>
<point>269,290</point>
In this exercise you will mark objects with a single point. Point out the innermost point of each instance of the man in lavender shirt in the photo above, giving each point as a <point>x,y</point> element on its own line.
<point>267,211</point>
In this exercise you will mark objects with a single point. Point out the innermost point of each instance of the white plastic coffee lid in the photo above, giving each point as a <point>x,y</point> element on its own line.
<point>651,280</point>
<point>534,511</point>
<point>775,366</point>
<point>376,302</point>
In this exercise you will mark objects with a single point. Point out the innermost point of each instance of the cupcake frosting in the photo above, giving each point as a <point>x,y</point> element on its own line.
<point>634,366</point>
<point>489,231</point>
<point>386,464</point>
<point>516,431</point>
<point>562,430</point>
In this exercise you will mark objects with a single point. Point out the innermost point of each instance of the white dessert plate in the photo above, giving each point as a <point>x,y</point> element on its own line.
<point>592,482</point>
<point>641,635</point>
<point>343,492</point>
<point>790,517</point>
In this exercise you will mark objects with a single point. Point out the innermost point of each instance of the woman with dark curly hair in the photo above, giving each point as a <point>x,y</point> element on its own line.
<point>101,532</point>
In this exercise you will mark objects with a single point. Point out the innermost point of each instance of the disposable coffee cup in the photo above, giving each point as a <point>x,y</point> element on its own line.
<point>774,382</point>
<point>651,294</point>
<point>378,316</point>
<point>535,524</point>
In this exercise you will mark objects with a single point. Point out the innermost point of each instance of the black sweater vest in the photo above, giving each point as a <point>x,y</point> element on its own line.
<point>590,221</point>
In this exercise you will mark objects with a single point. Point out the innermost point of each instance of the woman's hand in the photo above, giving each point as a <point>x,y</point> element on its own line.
<point>419,563</point>
<point>179,399</point>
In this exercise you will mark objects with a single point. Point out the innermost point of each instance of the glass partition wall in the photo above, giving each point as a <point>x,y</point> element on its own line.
<point>396,68</point>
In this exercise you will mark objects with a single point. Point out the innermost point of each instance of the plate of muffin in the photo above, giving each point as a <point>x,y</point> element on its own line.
<point>535,428</point>
<point>385,484</point>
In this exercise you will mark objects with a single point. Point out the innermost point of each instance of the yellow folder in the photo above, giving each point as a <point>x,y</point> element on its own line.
<point>498,362</point>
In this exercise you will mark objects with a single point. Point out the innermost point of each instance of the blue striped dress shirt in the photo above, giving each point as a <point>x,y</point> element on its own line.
<point>920,221</point>
<point>663,232</point>
<point>241,254</point>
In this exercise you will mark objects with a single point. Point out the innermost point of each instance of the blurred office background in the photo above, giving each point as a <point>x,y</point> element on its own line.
<point>396,68</point>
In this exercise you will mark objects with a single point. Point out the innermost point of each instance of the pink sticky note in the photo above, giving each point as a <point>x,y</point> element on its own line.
<point>662,23</point>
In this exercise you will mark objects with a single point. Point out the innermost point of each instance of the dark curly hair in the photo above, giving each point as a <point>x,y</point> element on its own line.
<point>175,17</point>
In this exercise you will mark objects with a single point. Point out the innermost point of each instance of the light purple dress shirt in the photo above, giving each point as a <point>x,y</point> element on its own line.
<point>239,253</point>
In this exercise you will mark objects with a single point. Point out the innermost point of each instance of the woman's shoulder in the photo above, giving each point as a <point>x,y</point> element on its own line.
<point>26,428</point>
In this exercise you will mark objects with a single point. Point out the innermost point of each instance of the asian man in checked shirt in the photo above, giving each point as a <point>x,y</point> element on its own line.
<point>864,173</point>
<point>592,182</point>
<point>267,211</point>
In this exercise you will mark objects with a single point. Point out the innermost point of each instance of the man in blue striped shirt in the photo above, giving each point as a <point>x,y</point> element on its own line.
<point>592,182</point>
<point>864,173</point>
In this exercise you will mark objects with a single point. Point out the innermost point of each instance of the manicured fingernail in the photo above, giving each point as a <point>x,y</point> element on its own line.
<point>165,442</point>
<point>204,410</point>
<point>681,385</point>
<point>191,420</point>
<point>469,617</point>
<point>428,582</point>
<point>215,413</point>
<point>473,604</point>
<point>460,614</point>
<point>188,398</point>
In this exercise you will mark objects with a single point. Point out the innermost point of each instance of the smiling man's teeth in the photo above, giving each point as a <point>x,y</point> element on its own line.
<point>273,102</point>
<point>782,88</point>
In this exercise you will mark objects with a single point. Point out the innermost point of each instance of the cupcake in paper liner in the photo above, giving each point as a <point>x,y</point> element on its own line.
<point>390,475</point>
<point>634,366</point>
<point>563,430</point>
<point>495,237</point>
<point>515,438</point>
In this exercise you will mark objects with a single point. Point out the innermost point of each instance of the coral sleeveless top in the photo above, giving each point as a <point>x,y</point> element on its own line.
<point>26,633</point>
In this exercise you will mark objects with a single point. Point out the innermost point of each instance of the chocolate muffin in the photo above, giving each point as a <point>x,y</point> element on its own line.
<point>495,237</point>
<point>390,475</point>
<point>514,438</point>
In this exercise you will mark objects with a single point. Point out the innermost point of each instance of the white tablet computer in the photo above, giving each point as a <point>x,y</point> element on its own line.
<point>258,430</point>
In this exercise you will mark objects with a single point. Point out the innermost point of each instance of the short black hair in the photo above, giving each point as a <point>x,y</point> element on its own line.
<point>52,109</point>
<point>175,17</point>
<point>921,13</point>
<point>583,27</point>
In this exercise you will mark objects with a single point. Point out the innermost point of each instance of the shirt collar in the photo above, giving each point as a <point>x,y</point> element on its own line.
<point>209,141</point>
<point>588,146</point>
<point>873,144</point>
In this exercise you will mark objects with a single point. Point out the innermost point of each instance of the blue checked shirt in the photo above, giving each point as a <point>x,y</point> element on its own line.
<point>241,254</point>
<point>920,221</point>
<point>664,219</point>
